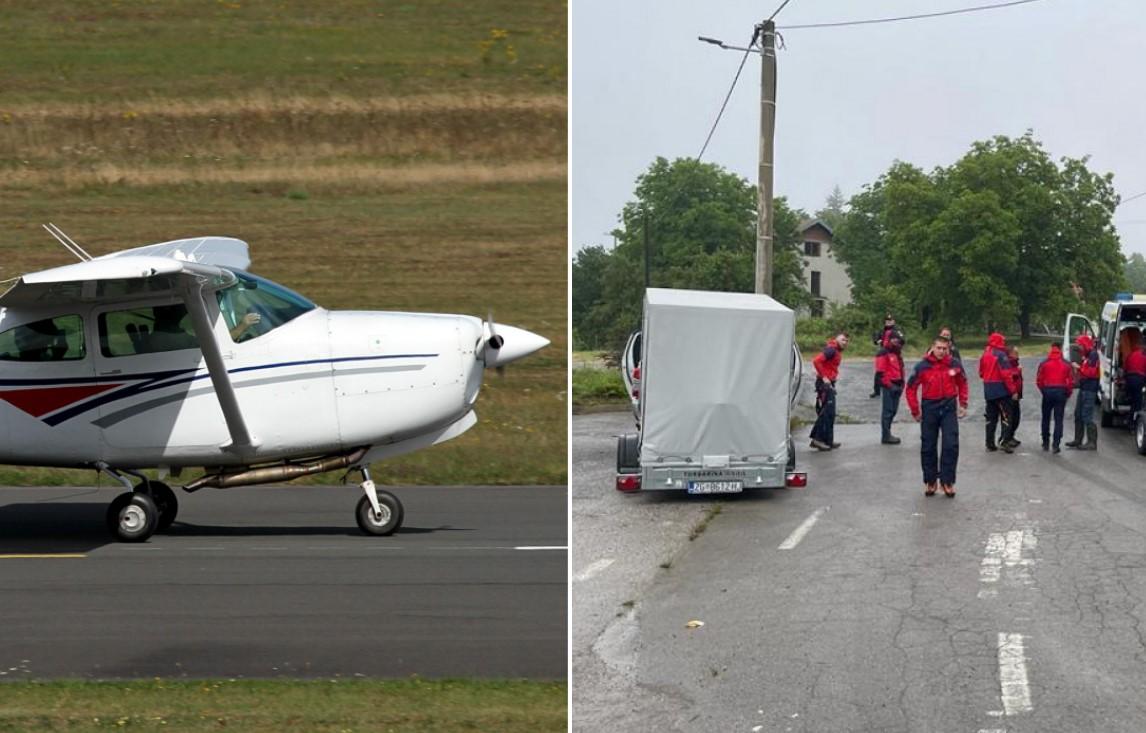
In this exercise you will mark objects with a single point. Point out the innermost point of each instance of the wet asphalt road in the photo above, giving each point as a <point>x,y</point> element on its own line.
<point>279,582</point>
<point>858,604</point>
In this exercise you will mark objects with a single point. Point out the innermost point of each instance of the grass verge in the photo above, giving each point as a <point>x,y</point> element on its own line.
<point>330,706</point>
<point>598,387</point>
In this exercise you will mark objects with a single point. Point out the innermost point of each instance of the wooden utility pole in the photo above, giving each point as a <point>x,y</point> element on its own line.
<point>764,227</point>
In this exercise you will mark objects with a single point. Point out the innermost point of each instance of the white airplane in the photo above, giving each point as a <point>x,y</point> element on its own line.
<point>173,356</point>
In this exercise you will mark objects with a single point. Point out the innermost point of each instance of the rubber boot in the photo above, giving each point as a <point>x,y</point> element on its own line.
<point>1077,436</point>
<point>1091,438</point>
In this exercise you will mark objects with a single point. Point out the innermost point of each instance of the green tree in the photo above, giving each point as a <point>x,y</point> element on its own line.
<point>834,208</point>
<point>588,271</point>
<point>701,222</point>
<point>1002,237</point>
<point>1135,272</point>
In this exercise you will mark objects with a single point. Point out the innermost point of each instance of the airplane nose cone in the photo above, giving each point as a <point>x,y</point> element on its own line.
<point>515,343</point>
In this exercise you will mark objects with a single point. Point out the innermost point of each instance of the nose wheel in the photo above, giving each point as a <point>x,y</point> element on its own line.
<point>379,512</point>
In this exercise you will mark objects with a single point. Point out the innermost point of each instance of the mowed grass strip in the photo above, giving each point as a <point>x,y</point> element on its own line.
<point>333,706</point>
<point>446,248</point>
<point>74,50</point>
<point>215,134</point>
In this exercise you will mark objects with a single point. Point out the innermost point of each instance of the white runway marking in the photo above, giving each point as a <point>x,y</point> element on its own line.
<point>1015,692</point>
<point>803,529</point>
<point>546,547</point>
<point>593,569</point>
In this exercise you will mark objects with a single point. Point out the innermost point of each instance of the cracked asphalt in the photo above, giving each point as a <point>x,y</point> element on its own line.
<point>890,614</point>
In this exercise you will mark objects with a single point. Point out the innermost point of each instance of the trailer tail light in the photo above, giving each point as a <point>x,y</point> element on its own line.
<point>796,480</point>
<point>628,482</point>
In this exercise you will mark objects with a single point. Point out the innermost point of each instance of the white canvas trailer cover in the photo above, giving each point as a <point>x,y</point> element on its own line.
<point>715,388</point>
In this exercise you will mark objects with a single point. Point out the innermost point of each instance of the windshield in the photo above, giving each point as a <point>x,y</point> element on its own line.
<point>254,306</point>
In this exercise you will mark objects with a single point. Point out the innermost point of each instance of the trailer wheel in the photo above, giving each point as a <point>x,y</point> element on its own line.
<point>628,453</point>
<point>1140,433</point>
<point>791,454</point>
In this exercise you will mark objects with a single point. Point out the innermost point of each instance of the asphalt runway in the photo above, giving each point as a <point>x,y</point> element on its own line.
<point>279,582</point>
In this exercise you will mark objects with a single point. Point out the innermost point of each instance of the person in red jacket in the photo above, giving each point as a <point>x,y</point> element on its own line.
<point>998,390</point>
<point>1055,381</point>
<point>943,383</point>
<point>889,367</point>
<point>827,366</point>
<point>1087,396</point>
<point>1134,370</point>
<point>880,340</point>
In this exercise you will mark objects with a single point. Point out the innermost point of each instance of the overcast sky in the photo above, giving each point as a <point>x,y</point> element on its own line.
<point>852,100</point>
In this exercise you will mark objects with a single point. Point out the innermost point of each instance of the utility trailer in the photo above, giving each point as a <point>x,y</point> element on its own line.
<point>719,375</point>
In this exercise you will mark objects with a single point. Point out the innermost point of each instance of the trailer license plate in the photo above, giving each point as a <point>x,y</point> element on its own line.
<point>715,487</point>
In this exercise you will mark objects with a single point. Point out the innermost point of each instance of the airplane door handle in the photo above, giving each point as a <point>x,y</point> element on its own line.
<point>110,372</point>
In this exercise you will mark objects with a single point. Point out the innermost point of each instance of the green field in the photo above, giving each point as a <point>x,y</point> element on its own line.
<point>375,155</point>
<point>333,706</point>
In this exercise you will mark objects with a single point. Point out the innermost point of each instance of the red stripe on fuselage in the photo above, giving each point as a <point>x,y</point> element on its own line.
<point>42,400</point>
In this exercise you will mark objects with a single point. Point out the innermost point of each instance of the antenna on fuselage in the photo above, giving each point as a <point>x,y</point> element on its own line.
<point>68,242</point>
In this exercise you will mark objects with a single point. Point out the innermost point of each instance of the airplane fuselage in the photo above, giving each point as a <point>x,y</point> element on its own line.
<point>324,382</point>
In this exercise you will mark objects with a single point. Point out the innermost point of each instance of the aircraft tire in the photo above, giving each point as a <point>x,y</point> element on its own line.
<point>166,502</point>
<point>132,517</point>
<point>385,525</point>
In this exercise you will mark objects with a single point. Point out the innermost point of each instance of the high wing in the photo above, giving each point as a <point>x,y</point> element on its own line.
<point>185,268</point>
<point>218,251</point>
<point>155,269</point>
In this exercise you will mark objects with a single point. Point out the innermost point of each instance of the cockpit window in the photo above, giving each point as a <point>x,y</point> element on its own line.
<point>52,339</point>
<point>253,306</point>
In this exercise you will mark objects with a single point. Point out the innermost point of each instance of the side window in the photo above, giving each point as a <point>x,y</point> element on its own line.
<point>52,339</point>
<point>146,330</point>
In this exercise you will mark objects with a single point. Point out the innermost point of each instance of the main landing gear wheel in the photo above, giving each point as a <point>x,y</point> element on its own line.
<point>164,499</point>
<point>383,523</point>
<point>133,517</point>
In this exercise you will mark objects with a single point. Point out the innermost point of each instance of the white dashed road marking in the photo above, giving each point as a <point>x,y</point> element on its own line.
<point>593,569</point>
<point>803,529</point>
<point>1013,549</point>
<point>1014,690</point>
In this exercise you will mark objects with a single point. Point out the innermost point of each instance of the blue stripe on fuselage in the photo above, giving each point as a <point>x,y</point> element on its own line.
<point>149,381</point>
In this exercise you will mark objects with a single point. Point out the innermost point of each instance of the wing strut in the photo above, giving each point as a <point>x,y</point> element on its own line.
<point>241,438</point>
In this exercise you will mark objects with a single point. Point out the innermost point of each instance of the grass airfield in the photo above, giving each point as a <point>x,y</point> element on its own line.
<point>375,155</point>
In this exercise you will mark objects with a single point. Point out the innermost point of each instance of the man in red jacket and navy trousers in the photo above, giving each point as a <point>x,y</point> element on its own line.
<point>1056,381</point>
<point>827,366</point>
<point>889,376</point>
<point>999,390</point>
<point>944,386</point>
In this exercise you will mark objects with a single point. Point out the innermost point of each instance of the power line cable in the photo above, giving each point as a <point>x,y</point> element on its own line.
<point>873,21</point>
<point>1131,198</point>
<point>755,35</point>
<point>773,15</point>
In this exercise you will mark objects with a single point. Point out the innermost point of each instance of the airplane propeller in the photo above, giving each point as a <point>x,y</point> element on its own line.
<point>503,344</point>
